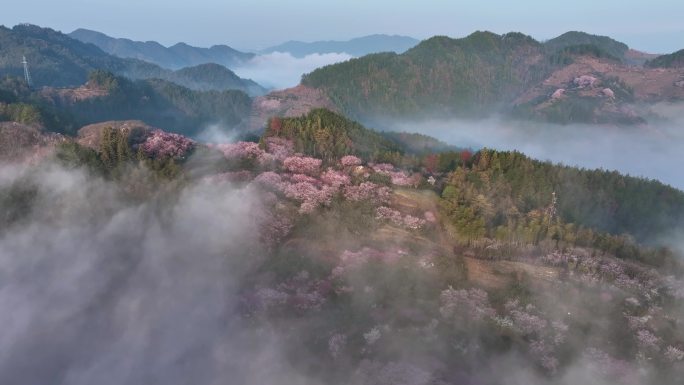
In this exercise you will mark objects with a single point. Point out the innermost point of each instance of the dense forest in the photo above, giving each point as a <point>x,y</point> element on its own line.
<point>329,136</point>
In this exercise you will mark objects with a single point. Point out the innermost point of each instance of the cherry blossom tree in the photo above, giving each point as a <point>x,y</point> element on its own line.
<point>269,180</point>
<point>472,304</point>
<point>162,144</point>
<point>310,196</point>
<point>350,161</point>
<point>302,165</point>
<point>368,191</point>
<point>280,148</point>
<point>394,216</point>
<point>335,178</point>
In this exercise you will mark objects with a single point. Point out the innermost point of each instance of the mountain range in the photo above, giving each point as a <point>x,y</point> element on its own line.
<point>174,57</point>
<point>575,78</point>
<point>356,47</point>
<point>58,60</point>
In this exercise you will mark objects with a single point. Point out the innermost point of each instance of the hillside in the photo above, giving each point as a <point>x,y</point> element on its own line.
<point>327,135</point>
<point>211,76</point>
<point>575,78</point>
<point>442,76</point>
<point>56,60</point>
<point>175,57</point>
<point>109,97</point>
<point>673,60</point>
<point>356,47</point>
<point>356,259</point>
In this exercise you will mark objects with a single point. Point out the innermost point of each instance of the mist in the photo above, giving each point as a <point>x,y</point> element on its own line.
<point>97,289</point>
<point>279,70</point>
<point>654,151</point>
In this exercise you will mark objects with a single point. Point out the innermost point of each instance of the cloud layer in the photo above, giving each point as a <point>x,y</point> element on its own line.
<point>652,152</point>
<point>282,70</point>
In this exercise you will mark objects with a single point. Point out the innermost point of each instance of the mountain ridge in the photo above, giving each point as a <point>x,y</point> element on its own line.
<point>57,60</point>
<point>175,56</point>
<point>486,73</point>
<point>359,46</point>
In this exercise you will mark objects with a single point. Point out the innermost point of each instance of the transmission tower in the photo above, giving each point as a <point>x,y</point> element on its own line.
<point>27,73</point>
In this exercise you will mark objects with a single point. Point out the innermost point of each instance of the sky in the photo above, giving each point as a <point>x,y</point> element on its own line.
<point>654,26</point>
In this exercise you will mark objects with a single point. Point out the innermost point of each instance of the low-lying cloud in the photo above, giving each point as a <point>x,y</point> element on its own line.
<point>653,151</point>
<point>281,70</point>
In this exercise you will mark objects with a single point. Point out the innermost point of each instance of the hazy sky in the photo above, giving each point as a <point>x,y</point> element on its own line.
<point>655,25</point>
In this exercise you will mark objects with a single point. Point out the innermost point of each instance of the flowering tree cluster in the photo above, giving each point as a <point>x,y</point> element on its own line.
<point>382,167</point>
<point>336,343</point>
<point>372,336</point>
<point>394,216</point>
<point>309,195</point>
<point>269,180</point>
<point>368,191</point>
<point>398,178</point>
<point>274,229</point>
<point>239,150</point>
<point>615,370</point>
<point>524,320</point>
<point>280,148</point>
<point>302,165</point>
<point>545,336</point>
<point>299,292</point>
<point>465,305</point>
<point>301,178</point>
<point>335,178</point>
<point>162,144</point>
<point>674,354</point>
<point>352,260</point>
<point>350,161</point>
<point>589,268</point>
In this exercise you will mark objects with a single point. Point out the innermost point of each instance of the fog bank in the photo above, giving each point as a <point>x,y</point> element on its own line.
<point>654,152</point>
<point>279,70</point>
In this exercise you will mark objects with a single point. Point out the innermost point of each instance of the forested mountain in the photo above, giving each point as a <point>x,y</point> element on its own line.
<point>575,78</point>
<point>440,76</point>
<point>56,60</point>
<point>174,57</point>
<point>211,76</point>
<point>606,44</point>
<point>356,47</point>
